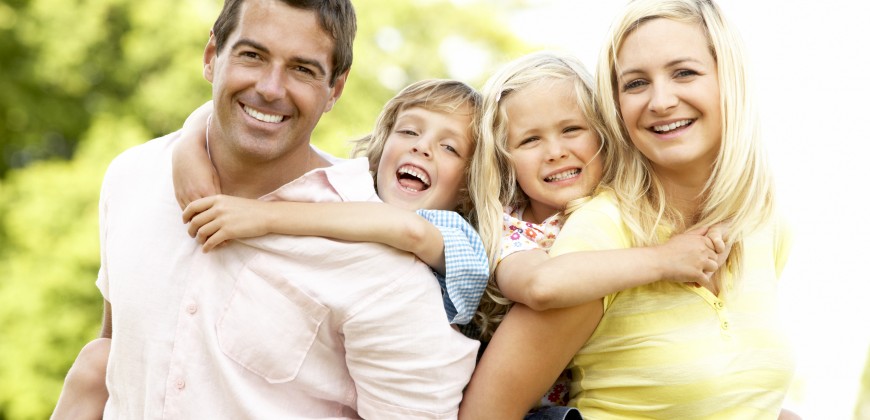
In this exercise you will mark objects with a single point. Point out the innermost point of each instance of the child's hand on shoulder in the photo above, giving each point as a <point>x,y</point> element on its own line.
<point>689,257</point>
<point>218,218</point>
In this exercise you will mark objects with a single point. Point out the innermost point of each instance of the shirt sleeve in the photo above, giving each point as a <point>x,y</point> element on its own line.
<point>405,361</point>
<point>466,265</point>
<point>515,236</point>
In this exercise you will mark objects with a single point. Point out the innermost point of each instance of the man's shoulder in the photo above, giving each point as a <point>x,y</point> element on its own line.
<point>144,154</point>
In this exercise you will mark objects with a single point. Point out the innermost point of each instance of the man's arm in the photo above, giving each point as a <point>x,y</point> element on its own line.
<point>106,331</point>
<point>405,359</point>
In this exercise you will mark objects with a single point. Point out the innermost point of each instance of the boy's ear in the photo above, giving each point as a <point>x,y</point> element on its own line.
<point>208,58</point>
<point>337,89</point>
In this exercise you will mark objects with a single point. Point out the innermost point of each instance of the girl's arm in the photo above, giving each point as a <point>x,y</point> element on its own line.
<point>216,219</point>
<point>193,174</point>
<point>540,282</point>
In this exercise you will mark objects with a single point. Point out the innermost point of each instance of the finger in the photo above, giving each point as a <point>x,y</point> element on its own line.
<point>206,231</point>
<point>214,241</point>
<point>698,231</point>
<point>719,245</point>
<point>195,207</point>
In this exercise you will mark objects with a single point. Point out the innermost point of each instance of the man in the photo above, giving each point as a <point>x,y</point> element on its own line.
<point>278,326</point>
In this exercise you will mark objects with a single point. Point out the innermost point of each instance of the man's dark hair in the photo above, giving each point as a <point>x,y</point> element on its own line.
<point>337,18</point>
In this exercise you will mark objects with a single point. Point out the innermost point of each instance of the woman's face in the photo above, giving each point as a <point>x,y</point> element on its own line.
<point>553,148</point>
<point>669,97</point>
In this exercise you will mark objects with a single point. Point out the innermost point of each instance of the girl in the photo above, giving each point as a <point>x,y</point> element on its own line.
<point>538,113</point>
<point>682,134</point>
<point>423,153</point>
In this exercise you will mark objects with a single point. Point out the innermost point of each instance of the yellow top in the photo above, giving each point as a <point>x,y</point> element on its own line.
<point>673,351</point>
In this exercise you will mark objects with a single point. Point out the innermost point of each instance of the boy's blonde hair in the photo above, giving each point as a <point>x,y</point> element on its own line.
<point>740,187</point>
<point>448,97</point>
<point>531,69</point>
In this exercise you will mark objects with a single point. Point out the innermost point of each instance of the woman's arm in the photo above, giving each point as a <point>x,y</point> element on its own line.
<point>527,353</point>
<point>219,218</point>
<point>540,282</point>
<point>193,174</point>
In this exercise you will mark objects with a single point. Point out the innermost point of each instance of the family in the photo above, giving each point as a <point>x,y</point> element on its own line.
<point>554,246</point>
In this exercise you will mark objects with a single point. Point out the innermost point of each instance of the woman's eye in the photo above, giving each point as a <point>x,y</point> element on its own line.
<point>634,84</point>
<point>572,129</point>
<point>686,73</point>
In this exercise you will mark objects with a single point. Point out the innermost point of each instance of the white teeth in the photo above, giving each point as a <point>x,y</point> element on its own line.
<point>410,170</point>
<point>562,175</point>
<point>263,117</point>
<point>672,126</point>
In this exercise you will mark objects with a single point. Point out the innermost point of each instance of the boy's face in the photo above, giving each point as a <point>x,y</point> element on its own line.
<point>554,151</point>
<point>424,159</point>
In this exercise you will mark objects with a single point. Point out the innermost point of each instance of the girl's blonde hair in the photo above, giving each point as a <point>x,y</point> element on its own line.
<point>740,187</point>
<point>449,97</point>
<point>534,68</point>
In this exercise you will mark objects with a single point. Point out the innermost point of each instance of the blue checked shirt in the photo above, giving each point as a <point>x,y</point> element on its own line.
<point>465,262</point>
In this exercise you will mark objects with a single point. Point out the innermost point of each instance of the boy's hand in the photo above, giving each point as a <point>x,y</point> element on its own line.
<point>219,218</point>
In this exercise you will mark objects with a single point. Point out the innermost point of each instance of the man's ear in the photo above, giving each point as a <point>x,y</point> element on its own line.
<point>208,58</point>
<point>337,89</point>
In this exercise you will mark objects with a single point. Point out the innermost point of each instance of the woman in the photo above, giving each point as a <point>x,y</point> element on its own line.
<point>686,154</point>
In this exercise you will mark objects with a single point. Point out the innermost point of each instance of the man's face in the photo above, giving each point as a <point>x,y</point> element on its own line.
<point>270,82</point>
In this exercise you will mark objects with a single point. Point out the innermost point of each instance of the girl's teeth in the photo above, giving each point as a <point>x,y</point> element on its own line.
<point>563,175</point>
<point>263,117</point>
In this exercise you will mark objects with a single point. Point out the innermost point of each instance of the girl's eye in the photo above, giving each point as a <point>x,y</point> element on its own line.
<point>407,132</point>
<point>572,129</point>
<point>634,84</point>
<point>529,140</point>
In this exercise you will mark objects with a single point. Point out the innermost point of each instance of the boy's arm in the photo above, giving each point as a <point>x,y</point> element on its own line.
<point>466,264</point>
<point>540,282</point>
<point>219,218</point>
<point>193,174</point>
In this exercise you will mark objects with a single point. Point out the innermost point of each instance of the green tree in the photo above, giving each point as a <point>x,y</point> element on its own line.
<point>86,79</point>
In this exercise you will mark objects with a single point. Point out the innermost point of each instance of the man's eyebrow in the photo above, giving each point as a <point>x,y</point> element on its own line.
<point>300,60</point>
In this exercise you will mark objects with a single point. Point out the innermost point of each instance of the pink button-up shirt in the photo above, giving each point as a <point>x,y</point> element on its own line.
<point>272,327</point>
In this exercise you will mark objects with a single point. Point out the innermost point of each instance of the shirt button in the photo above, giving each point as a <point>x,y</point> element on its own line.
<point>179,384</point>
<point>191,308</point>
<point>725,325</point>
<point>718,304</point>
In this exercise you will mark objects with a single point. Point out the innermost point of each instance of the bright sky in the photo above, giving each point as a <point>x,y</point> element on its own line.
<point>811,61</point>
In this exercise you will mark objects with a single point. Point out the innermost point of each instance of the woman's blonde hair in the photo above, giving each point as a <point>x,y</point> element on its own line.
<point>449,97</point>
<point>740,187</point>
<point>531,69</point>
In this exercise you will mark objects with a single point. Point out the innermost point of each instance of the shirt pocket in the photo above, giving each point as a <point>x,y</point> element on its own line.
<point>269,325</point>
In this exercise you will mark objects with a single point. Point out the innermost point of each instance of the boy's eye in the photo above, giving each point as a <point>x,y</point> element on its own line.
<point>450,149</point>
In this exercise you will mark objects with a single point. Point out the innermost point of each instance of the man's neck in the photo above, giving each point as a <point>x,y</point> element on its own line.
<point>251,179</point>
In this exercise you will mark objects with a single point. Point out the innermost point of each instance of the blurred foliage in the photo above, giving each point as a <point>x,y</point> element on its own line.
<point>84,79</point>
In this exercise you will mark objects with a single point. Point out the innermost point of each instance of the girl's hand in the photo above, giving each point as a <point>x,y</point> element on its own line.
<point>721,243</point>
<point>689,258</point>
<point>219,218</point>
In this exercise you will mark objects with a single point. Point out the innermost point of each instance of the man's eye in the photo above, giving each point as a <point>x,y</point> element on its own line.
<point>306,70</point>
<point>250,54</point>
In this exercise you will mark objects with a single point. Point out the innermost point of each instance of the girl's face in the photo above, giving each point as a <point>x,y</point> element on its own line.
<point>669,97</point>
<point>554,151</point>
<point>424,159</point>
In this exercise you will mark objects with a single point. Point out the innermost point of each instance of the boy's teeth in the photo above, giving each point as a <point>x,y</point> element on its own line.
<point>263,117</point>
<point>408,170</point>
<point>671,126</point>
<point>562,175</point>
